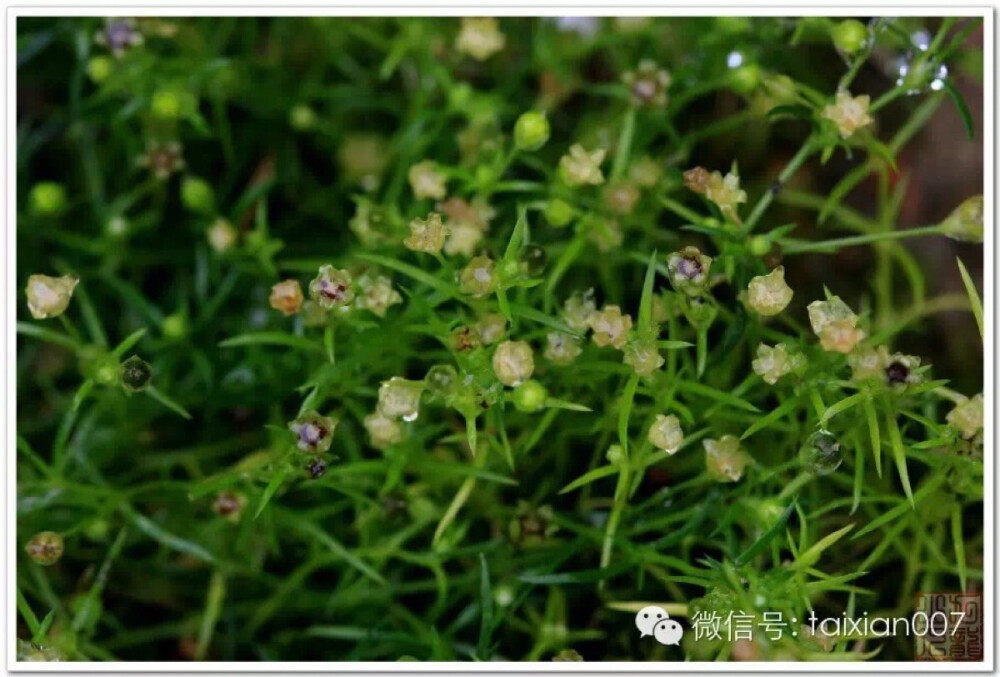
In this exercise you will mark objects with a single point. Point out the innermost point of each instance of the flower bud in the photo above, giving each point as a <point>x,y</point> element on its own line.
<point>331,288</point>
<point>848,113</point>
<point>316,468</point>
<point>605,233</point>
<point>163,159</point>
<point>286,297</point>
<point>478,278</point>
<point>529,397</point>
<point>769,294</point>
<point>427,235</point>
<point>868,363</point>
<point>965,224</point>
<point>647,85</point>
<point>480,38</point>
<point>579,309</point>
<point>513,362</point>
<point>363,159</point>
<point>135,374</point>
<point>773,363</point>
<point>302,117</point>
<point>615,454</point>
<point>580,167</point>
<point>313,433</point>
<point>229,505</point>
<point>558,213</point>
<point>221,235</point>
<point>427,181</point>
<point>849,36</point>
<point>491,327</point>
<point>382,431</point>
<point>666,433</point>
<point>610,327</point>
<point>400,398</point>
<point>645,172</point>
<point>725,459</point>
<point>47,198</point>
<point>464,339</point>
<point>621,197</point>
<point>561,348</point>
<point>49,296</point>
<point>197,195</point>
<point>643,356</point>
<point>531,131</point>
<point>45,548</point>
<point>172,104</point>
<point>689,270</point>
<point>377,294</point>
<point>967,416</point>
<point>99,68</point>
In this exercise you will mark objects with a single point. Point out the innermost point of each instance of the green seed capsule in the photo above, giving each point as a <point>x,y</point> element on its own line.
<point>531,131</point>
<point>197,195</point>
<point>135,374</point>
<point>47,198</point>
<point>530,396</point>
<point>45,548</point>
<point>849,36</point>
<point>821,454</point>
<point>558,213</point>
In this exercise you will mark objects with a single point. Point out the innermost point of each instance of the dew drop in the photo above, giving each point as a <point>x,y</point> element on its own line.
<point>734,60</point>
<point>821,454</point>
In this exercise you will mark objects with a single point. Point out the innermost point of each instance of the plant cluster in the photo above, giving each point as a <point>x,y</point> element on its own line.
<point>456,339</point>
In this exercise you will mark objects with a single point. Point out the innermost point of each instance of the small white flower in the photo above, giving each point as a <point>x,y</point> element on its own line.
<point>400,398</point>
<point>49,296</point>
<point>725,459</point>
<point>769,294</point>
<point>610,327</point>
<point>581,167</point>
<point>666,433</point>
<point>848,113</point>
<point>427,181</point>
<point>562,348</point>
<point>967,416</point>
<point>480,38</point>
<point>773,363</point>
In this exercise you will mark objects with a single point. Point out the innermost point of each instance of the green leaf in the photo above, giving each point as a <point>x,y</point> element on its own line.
<point>902,507</point>
<point>587,478</point>
<point>974,300</point>
<point>695,388</point>
<point>128,342</point>
<point>486,610</point>
<point>164,537</point>
<point>167,402</point>
<point>842,406</point>
<point>553,403</point>
<point>899,455</point>
<point>874,434</point>
<point>625,410</point>
<point>317,534</point>
<point>273,338</point>
<point>775,414</point>
<point>958,540</point>
<point>414,273</point>
<point>272,487</point>
<point>585,576</point>
<point>961,107</point>
<point>765,538</point>
<point>34,331</point>
<point>646,300</point>
<point>529,313</point>
<point>809,557</point>
<point>517,235</point>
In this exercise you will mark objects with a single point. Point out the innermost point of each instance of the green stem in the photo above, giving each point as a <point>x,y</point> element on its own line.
<point>765,200</point>
<point>830,246</point>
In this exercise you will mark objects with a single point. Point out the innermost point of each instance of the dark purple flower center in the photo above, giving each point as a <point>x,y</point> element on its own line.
<point>119,34</point>
<point>311,434</point>
<point>316,468</point>
<point>897,372</point>
<point>332,290</point>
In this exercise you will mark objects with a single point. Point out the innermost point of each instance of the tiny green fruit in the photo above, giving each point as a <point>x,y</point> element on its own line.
<point>135,374</point>
<point>531,131</point>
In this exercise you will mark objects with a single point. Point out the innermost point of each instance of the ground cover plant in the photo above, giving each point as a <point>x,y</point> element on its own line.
<point>468,339</point>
